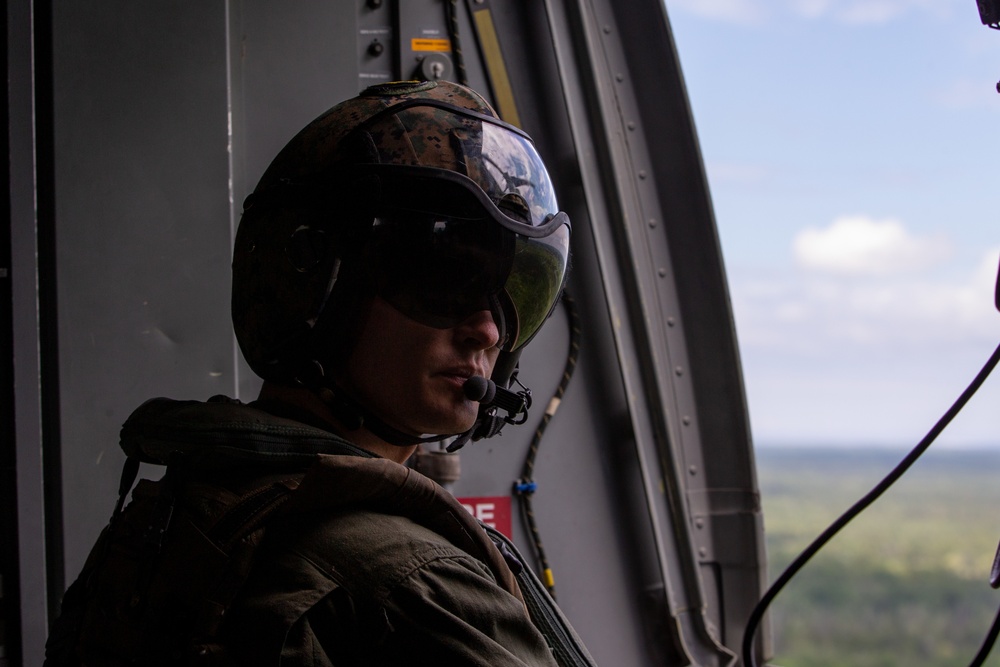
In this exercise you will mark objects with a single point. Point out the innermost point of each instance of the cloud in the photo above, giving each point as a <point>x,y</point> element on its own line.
<point>884,11</point>
<point>808,314</point>
<point>733,11</point>
<point>810,8</point>
<point>859,245</point>
<point>872,11</point>
<point>855,358</point>
<point>841,11</point>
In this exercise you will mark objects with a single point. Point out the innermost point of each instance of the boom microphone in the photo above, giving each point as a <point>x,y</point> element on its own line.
<point>479,389</point>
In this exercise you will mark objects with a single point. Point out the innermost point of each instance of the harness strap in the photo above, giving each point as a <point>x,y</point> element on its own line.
<point>568,649</point>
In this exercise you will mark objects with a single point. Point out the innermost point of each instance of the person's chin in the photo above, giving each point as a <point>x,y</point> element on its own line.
<point>456,420</point>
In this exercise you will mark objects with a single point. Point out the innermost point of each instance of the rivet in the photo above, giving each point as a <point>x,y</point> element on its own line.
<point>693,470</point>
<point>702,551</point>
<point>631,125</point>
<point>699,523</point>
<point>607,30</point>
<point>662,272</point>
<point>686,420</point>
<point>620,76</point>
<point>652,222</point>
<point>671,321</point>
<point>679,371</point>
<point>642,175</point>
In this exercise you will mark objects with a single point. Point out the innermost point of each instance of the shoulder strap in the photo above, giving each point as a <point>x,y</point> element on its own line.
<point>566,645</point>
<point>250,513</point>
<point>159,581</point>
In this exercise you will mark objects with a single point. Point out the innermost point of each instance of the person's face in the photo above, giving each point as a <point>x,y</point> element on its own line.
<point>411,375</point>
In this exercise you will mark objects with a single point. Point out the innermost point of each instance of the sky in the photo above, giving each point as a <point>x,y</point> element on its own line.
<point>851,148</point>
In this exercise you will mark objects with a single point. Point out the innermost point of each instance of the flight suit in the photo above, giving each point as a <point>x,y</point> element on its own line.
<point>367,562</point>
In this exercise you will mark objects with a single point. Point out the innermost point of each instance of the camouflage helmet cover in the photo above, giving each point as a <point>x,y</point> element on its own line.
<point>413,136</point>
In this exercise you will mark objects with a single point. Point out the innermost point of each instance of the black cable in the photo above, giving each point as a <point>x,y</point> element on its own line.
<point>988,642</point>
<point>758,612</point>
<point>525,486</point>
<point>451,16</point>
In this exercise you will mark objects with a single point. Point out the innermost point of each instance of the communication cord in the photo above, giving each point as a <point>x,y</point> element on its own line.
<point>451,18</point>
<point>860,506</point>
<point>525,486</point>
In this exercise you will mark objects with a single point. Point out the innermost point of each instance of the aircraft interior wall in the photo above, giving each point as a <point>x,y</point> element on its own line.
<point>155,122</point>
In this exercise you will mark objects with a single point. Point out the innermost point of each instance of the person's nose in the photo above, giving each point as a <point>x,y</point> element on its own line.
<point>479,330</point>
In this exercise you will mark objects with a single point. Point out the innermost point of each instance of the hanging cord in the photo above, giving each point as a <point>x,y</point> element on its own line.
<point>860,506</point>
<point>988,642</point>
<point>525,487</point>
<point>451,16</point>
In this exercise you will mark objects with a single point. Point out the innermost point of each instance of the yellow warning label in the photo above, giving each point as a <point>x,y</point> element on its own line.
<point>425,44</point>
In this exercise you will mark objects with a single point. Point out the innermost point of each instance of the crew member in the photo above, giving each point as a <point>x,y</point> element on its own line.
<point>390,265</point>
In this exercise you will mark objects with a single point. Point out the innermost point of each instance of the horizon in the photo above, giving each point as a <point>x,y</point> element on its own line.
<point>993,447</point>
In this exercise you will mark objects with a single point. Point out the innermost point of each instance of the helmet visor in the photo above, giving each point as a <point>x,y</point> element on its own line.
<point>534,283</point>
<point>498,158</point>
<point>509,170</point>
<point>440,270</point>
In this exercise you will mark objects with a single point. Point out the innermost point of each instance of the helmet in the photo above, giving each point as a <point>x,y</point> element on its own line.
<point>413,191</point>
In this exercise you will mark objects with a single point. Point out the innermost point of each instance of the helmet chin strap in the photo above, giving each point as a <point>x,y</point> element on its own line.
<point>353,416</point>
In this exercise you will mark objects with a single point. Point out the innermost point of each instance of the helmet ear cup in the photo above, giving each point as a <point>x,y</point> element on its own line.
<point>338,326</point>
<point>306,248</point>
<point>286,270</point>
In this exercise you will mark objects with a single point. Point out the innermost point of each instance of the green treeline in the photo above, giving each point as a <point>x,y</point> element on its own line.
<point>907,582</point>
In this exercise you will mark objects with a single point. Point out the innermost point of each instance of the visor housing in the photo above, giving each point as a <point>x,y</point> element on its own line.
<point>441,176</point>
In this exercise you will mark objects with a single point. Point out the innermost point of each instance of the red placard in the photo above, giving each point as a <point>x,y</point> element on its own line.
<point>494,511</point>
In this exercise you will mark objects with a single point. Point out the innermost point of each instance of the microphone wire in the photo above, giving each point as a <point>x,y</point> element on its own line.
<point>758,612</point>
